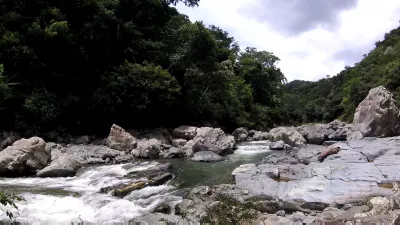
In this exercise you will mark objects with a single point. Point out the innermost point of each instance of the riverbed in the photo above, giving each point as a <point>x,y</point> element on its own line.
<point>77,199</point>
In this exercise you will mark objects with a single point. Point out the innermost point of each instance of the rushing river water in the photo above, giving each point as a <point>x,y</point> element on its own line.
<point>76,199</point>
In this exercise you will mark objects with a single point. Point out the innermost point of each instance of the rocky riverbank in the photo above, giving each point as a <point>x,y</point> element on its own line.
<point>333,173</point>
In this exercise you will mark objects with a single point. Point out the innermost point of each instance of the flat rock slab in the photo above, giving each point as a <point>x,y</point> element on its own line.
<point>352,175</point>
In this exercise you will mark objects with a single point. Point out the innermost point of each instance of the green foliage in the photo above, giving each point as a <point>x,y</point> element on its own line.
<point>8,200</point>
<point>339,96</point>
<point>135,63</point>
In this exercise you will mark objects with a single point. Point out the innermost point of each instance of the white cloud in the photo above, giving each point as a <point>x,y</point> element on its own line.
<point>310,55</point>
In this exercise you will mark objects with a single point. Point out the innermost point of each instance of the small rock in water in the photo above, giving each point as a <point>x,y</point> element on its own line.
<point>166,209</point>
<point>125,190</point>
<point>161,179</point>
<point>206,156</point>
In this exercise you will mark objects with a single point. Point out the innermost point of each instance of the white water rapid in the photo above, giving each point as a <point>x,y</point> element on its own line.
<point>40,207</point>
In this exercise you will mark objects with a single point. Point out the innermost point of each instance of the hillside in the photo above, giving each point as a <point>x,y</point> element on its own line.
<point>338,96</point>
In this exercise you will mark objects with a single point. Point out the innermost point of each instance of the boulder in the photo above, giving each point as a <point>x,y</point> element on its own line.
<point>25,156</point>
<point>377,115</point>
<point>243,168</point>
<point>148,149</point>
<point>185,132</point>
<point>240,134</point>
<point>63,166</point>
<point>173,152</point>
<point>215,140</point>
<point>289,135</point>
<point>255,135</point>
<point>120,140</point>
<point>314,133</point>
<point>153,171</point>
<point>206,156</point>
<point>178,142</point>
<point>279,145</point>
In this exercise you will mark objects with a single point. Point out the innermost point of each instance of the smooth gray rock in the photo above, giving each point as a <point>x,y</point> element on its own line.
<point>377,115</point>
<point>25,156</point>
<point>279,145</point>
<point>63,166</point>
<point>240,134</point>
<point>352,175</point>
<point>120,140</point>
<point>185,132</point>
<point>206,156</point>
<point>289,135</point>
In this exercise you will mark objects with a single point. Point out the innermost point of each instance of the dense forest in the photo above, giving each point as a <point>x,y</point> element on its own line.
<point>80,65</point>
<point>337,97</point>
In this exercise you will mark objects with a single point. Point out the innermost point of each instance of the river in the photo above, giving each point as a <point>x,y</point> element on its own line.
<point>75,199</point>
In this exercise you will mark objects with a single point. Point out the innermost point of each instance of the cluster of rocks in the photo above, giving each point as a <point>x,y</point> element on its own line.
<point>204,143</point>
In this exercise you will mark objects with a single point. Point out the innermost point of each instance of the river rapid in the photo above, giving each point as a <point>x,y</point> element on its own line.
<point>77,199</point>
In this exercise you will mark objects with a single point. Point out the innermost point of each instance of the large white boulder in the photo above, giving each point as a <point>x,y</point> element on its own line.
<point>376,116</point>
<point>25,156</point>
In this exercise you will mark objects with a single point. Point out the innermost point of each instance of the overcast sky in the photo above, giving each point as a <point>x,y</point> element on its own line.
<point>313,38</point>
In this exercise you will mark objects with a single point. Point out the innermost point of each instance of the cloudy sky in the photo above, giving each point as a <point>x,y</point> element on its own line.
<point>313,38</point>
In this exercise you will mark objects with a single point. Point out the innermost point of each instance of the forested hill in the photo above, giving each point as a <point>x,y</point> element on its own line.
<point>338,96</point>
<point>80,65</point>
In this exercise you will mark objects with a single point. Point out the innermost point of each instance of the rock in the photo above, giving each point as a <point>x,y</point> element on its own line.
<point>297,216</point>
<point>243,168</point>
<point>314,133</point>
<point>330,213</point>
<point>121,140</point>
<point>347,206</point>
<point>379,205</point>
<point>279,145</point>
<point>377,115</point>
<point>206,156</point>
<point>160,179</point>
<point>278,220</point>
<point>89,154</point>
<point>185,132</point>
<point>178,142</point>
<point>163,208</point>
<point>148,149</point>
<point>10,138</point>
<point>240,134</point>
<point>25,156</point>
<point>289,135</point>
<point>124,190</point>
<point>329,143</point>
<point>82,140</point>
<point>213,139</point>
<point>63,166</point>
<point>174,152</point>
<point>281,213</point>
<point>153,171</point>
<point>257,135</point>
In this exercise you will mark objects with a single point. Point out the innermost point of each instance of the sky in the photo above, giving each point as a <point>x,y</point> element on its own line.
<point>312,38</point>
